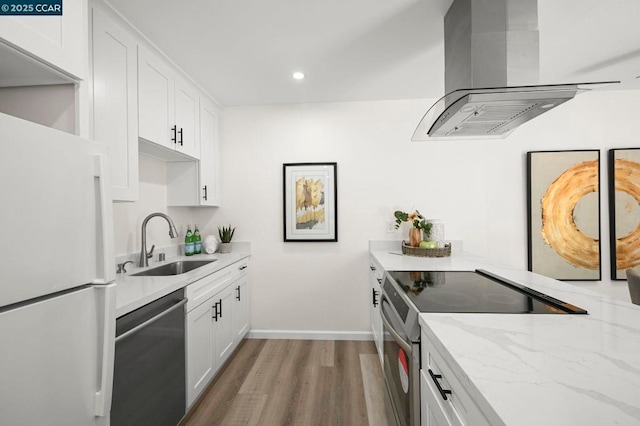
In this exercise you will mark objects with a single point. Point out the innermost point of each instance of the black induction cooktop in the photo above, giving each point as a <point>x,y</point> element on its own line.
<point>475,292</point>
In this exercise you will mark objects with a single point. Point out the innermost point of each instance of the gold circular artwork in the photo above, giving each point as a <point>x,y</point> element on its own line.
<point>559,229</point>
<point>628,246</point>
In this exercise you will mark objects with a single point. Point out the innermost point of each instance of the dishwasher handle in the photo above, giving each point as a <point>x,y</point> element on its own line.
<point>151,320</point>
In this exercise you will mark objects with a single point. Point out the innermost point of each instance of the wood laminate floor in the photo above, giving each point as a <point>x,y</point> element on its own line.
<point>296,382</point>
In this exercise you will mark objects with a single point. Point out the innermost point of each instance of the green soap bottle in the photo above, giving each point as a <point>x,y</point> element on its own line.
<point>188,242</point>
<point>197,241</point>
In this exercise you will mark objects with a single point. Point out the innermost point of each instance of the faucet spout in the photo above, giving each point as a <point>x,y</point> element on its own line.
<point>173,233</point>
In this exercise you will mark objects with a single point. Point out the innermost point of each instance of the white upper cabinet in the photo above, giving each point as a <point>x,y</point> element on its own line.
<point>155,96</point>
<point>198,184</point>
<point>209,178</point>
<point>115,101</point>
<point>58,41</point>
<point>167,106</point>
<point>186,118</point>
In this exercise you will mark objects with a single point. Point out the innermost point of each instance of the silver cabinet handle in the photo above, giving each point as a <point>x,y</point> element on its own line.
<point>151,320</point>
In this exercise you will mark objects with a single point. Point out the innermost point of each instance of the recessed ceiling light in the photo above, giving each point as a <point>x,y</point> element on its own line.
<point>298,75</point>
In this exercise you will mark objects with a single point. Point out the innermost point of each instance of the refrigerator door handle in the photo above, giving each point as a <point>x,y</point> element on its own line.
<point>104,394</point>
<point>106,221</point>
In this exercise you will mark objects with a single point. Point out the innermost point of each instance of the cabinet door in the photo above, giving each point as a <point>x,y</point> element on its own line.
<point>155,100</point>
<point>115,102</point>
<point>431,413</point>
<point>209,183</point>
<point>375,279</point>
<point>186,118</point>
<point>56,40</point>
<point>223,334</point>
<point>200,349</point>
<point>240,313</point>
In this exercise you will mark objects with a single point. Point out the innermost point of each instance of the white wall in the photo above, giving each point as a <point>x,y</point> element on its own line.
<point>128,217</point>
<point>477,188</point>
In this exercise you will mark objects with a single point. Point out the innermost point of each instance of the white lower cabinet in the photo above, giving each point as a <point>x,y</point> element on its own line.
<point>216,323</point>
<point>240,313</point>
<point>222,332</point>
<point>376,276</point>
<point>443,398</point>
<point>200,350</point>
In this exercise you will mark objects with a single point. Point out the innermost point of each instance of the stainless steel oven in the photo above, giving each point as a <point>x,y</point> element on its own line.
<point>401,364</point>
<point>406,294</point>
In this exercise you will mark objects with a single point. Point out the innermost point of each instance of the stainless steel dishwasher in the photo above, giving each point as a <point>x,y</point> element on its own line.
<point>149,375</point>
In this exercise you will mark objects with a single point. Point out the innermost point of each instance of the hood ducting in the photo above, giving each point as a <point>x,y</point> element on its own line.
<point>491,72</point>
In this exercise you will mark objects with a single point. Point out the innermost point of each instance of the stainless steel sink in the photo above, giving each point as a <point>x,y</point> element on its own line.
<point>174,268</point>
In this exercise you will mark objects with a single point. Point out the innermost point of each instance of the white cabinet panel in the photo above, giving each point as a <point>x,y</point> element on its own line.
<point>59,41</point>
<point>375,278</point>
<point>458,408</point>
<point>115,101</point>
<point>167,106</point>
<point>156,100</point>
<point>209,181</point>
<point>431,411</point>
<point>200,350</point>
<point>223,333</point>
<point>186,118</point>
<point>240,314</point>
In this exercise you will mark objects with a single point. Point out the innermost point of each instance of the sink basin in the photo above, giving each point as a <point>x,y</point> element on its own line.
<point>174,268</point>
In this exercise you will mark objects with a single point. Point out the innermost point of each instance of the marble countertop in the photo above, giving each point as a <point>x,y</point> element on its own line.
<point>539,369</point>
<point>133,292</point>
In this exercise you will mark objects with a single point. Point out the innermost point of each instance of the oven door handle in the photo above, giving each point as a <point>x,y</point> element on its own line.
<point>399,340</point>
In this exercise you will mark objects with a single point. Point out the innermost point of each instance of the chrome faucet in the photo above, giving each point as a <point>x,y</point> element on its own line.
<point>173,233</point>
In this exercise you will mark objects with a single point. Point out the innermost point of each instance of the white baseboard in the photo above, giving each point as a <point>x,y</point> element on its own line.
<point>309,335</point>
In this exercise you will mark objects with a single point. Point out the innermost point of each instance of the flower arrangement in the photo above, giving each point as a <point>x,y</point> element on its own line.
<point>417,220</point>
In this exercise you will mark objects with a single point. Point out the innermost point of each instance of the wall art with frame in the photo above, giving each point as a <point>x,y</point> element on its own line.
<point>624,210</point>
<point>310,194</point>
<point>563,206</point>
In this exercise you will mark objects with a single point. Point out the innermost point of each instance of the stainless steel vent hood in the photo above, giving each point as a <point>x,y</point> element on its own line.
<point>492,72</point>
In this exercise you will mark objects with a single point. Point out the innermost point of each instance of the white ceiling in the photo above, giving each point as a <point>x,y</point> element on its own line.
<point>243,52</point>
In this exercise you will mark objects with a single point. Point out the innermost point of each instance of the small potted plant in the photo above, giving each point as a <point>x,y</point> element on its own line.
<point>419,225</point>
<point>225,234</point>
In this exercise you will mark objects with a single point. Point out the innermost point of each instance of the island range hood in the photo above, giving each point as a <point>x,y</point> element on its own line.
<point>491,72</point>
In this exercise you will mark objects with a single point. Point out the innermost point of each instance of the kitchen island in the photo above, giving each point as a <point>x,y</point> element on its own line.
<point>533,369</point>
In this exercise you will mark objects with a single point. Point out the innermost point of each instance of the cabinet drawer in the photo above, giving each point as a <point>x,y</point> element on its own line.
<point>376,270</point>
<point>459,408</point>
<point>240,269</point>
<point>203,289</point>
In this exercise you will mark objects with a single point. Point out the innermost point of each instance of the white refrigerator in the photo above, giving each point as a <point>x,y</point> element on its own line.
<point>57,278</point>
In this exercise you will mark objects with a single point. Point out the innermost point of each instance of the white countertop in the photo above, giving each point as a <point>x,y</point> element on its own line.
<point>540,369</point>
<point>134,292</point>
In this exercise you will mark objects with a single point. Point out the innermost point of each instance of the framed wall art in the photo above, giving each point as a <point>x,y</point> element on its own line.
<point>310,202</point>
<point>563,206</point>
<point>624,210</point>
